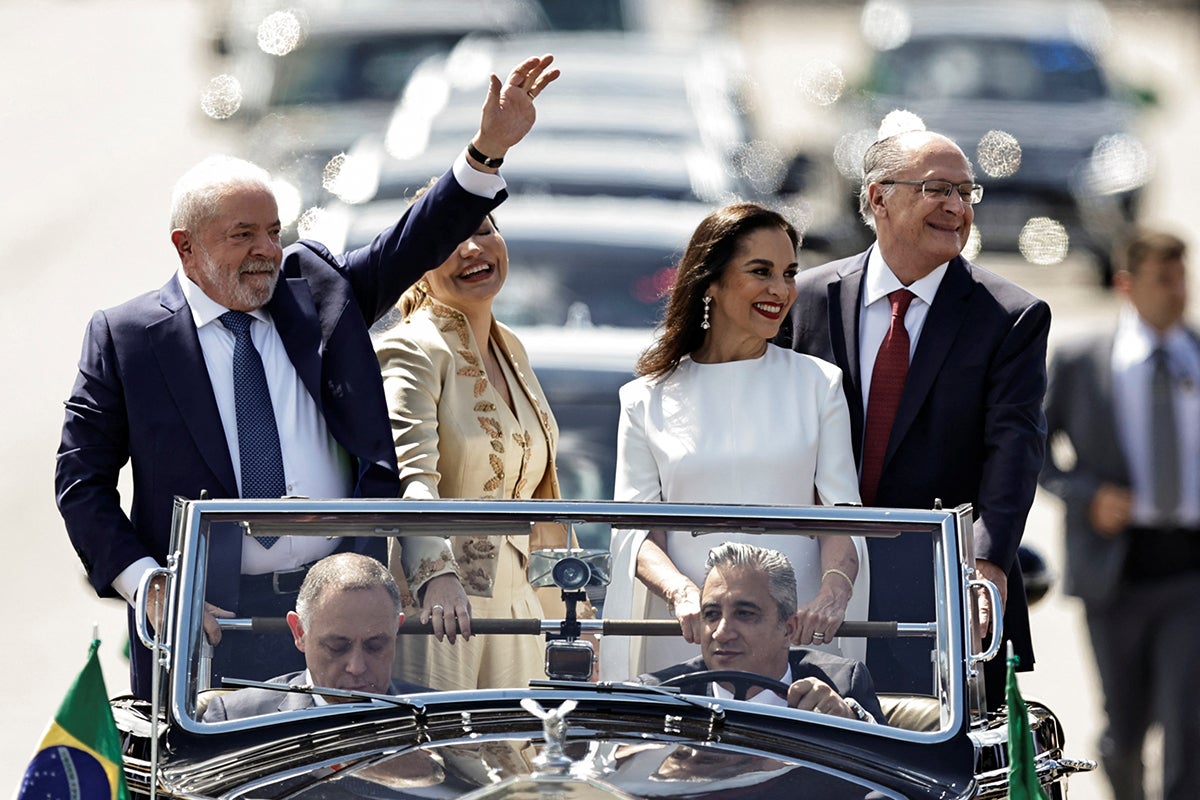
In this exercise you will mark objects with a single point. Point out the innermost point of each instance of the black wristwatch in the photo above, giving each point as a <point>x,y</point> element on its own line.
<point>487,161</point>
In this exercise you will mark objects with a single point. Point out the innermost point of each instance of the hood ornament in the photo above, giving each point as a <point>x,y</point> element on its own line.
<point>554,726</point>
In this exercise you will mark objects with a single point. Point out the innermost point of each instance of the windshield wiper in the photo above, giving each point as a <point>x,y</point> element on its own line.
<point>308,688</point>
<point>671,692</point>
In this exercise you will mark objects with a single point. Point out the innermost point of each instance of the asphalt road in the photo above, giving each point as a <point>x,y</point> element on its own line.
<point>101,115</point>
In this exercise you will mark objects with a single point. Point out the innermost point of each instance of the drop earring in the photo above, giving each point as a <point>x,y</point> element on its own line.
<point>704,324</point>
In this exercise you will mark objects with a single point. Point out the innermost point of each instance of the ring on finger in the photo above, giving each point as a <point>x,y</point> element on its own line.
<point>438,607</point>
<point>818,636</point>
<point>531,95</point>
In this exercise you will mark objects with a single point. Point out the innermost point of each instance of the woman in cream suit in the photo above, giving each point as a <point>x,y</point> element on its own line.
<point>469,420</point>
<point>719,415</point>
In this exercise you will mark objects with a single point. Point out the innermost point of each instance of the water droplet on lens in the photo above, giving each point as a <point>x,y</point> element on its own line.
<point>849,151</point>
<point>280,33</point>
<point>885,24</point>
<point>309,221</point>
<point>222,98</point>
<point>1044,241</point>
<point>800,213</point>
<point>999,154</point>
<point>353,179</point>
<point>1119,163</point>
<point>761,163</point>
<point>821,82</point>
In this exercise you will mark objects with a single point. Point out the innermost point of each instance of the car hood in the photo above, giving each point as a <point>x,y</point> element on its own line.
<point>618,744</point>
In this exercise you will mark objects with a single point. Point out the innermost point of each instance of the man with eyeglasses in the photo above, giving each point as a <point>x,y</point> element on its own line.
<point>944,369</point>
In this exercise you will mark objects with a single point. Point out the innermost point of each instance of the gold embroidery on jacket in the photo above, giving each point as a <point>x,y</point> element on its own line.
<point>428,568</point>
<point>476,558</point>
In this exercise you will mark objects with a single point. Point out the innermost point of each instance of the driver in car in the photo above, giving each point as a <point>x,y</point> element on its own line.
<point>748,608</point>
<point>345,622</point>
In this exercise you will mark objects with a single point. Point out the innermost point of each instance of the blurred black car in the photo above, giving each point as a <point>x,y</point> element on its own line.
<point>1021,87</point>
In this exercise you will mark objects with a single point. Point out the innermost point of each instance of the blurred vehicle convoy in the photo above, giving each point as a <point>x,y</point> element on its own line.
<point>315,76</point>
<point>370,98</point>
<point>1021,87</point>
<point>647,132</point>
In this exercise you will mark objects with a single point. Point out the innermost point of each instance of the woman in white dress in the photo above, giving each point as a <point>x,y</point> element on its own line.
<point>720,415</point>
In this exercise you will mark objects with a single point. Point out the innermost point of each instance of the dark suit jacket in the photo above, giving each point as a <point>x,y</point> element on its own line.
<point>847,677</point>
<point>1079,407</point>
<point>969,429</point>
<point>254,702</point>
<point>143,394</point>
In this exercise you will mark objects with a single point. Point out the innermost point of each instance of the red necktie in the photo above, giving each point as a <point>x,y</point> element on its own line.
<point>887,383</point>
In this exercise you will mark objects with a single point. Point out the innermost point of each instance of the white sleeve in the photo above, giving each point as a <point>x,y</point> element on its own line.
<point>484,184</point>
<point>836,475</point>
<point>127,581</point>
<point>637,478</point>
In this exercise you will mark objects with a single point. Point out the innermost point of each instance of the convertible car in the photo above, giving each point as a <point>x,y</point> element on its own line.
<point>568,736</point>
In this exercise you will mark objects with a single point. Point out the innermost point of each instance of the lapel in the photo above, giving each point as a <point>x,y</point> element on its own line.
<point>519,367</point>
<point>176,346</point>
<point>946,316</point>
<point>300,327</point>
<point>845,301</point>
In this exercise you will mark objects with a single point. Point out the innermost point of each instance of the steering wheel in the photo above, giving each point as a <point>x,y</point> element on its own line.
<point>742,681</point>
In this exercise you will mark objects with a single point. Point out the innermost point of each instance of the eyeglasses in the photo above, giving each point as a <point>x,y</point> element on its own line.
<point>970,193</point>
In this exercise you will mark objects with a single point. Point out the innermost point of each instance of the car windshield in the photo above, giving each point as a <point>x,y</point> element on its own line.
<point>936,706</point>
<point>343,70</point>
<point>1050,71</point>
<point>621,285</point>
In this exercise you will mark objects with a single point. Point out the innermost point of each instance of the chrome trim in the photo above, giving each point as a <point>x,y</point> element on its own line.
<point>997,620</point>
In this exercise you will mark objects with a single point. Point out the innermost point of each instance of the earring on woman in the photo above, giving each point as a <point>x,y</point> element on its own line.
<point>704,324</point>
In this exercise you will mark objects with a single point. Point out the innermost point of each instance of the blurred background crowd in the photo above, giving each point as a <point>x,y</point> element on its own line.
<point>1078,117</point>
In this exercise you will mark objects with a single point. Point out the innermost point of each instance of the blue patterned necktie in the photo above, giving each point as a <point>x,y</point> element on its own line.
<point>258,436</point>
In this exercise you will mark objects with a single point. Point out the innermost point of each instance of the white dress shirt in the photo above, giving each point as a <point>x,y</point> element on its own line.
<point>876,316</point>
<point>765,697</point>
<point>1133,371</point>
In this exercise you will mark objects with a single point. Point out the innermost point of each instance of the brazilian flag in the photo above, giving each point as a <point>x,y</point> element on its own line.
<point>80,754</point>
<point>1022,767</point>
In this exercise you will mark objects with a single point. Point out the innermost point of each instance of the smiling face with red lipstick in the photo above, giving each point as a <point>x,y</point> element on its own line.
<point>734,285</point>
<point>474,273</point>
<point>751,297</point>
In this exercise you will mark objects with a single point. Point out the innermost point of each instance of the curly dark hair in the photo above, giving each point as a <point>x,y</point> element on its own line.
<point>709,252</point>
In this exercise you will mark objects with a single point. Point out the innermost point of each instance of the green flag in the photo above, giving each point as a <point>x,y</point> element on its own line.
<point>1022,769</point>
<point>79,757</point>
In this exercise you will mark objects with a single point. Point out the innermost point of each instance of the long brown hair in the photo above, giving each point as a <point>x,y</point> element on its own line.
<point>709,252</point>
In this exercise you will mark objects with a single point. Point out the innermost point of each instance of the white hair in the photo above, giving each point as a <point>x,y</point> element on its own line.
<point>198,192</point>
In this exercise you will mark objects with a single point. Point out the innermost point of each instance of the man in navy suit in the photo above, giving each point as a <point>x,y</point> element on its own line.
<point>1127,401</point>
<point>345,622</point>
<point>748,613</point>
<point>156,377</point>
<point>968,426</point>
